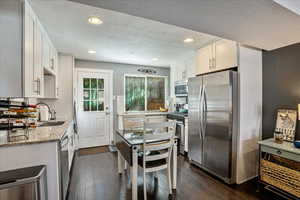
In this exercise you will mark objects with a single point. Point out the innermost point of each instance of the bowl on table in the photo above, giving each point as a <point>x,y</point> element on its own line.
<point>297,143</point>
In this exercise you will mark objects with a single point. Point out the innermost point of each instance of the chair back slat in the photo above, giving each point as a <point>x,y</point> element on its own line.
<point>157,157</point>
<point>160,127</point>
<point>155,169</point>
<point>157,146</point>
<point>132,122</point>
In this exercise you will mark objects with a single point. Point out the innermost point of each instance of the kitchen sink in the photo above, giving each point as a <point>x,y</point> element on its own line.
<point>52,123</point>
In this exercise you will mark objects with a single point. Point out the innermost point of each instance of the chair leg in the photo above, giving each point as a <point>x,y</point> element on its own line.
<point>169,178</point>
<point>145,187</point>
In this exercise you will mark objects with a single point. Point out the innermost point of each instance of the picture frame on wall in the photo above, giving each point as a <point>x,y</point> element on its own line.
<point>286,123</point>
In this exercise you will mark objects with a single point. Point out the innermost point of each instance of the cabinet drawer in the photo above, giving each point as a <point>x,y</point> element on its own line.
<point>281,153</point>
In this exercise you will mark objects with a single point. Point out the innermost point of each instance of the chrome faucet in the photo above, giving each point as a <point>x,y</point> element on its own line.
<point>51,112</point>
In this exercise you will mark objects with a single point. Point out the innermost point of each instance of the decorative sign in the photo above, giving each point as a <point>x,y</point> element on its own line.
<point>286,123</point>
<point>147,71</point>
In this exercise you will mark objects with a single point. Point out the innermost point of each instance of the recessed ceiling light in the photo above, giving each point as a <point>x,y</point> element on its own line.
<point>155,59</point>
<point>95,20</point>
<point>91,51</point>
<point>188,40</point>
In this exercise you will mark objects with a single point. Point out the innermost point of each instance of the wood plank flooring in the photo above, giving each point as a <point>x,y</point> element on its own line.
<point>95,178</point>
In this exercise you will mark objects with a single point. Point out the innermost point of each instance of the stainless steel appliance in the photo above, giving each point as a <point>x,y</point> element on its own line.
<point>181,88</point>
<point>213,124</point>
<point>181,119</point>
<point>64,165</point>
<point>24,184</point>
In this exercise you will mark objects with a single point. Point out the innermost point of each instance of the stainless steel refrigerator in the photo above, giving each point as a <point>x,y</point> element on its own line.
<point>213,123</point>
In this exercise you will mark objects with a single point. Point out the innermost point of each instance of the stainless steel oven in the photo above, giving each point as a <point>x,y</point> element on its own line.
<point>181,88</point>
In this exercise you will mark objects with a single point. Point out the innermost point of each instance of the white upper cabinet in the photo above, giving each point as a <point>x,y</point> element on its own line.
<point>40,59</point>
<point>219,55</point>
<point>38,77</point>
<point>204,59</point>
<point>30,86</point>
<point>225,54</point>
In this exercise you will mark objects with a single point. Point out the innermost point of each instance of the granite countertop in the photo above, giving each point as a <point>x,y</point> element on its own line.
<point>285,146</point>
<point>36,135</point>
<point>143,113</point>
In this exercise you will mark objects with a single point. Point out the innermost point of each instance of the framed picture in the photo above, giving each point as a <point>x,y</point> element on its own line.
<point>286,123</point>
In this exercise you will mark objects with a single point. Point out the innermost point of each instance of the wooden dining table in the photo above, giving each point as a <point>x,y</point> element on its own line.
<point>128,144</point>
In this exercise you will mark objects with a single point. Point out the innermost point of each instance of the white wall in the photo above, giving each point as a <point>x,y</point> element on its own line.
<point>250,103</point>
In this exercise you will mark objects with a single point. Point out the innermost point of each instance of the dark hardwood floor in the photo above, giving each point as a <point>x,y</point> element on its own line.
<point>95,178</point>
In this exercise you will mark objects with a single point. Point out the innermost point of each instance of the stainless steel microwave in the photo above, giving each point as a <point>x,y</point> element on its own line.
<point>181,88</point>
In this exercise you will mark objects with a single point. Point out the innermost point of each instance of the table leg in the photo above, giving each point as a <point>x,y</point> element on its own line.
<point>120,164</point>
<point>175,165</point>
<point>134,173</point>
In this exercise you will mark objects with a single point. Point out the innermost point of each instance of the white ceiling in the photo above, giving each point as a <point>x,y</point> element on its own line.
<point>259,23</point>
<point>293,5</point>
<point>121,38</point>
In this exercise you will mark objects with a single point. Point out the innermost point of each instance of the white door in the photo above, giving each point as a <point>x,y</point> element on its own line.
<point>94,99</point>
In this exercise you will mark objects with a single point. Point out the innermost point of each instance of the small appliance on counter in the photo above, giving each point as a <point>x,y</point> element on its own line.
<point>181,94</point>
<point>181,88</point>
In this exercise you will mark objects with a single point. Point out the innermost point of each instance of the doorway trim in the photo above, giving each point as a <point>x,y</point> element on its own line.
<point>111,73</point>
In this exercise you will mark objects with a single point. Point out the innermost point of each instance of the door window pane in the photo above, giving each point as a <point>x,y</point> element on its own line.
<point>100,83</point>
<point>86,106</point>
<point>100,106</point>
<point>155,93</point>
<point>86,83</point>
<point>93,105</point>
<point>100,95</point>
<point>93,94</point>
<point>86,95</point>
<point>94,83</point>
<point>135,93</point>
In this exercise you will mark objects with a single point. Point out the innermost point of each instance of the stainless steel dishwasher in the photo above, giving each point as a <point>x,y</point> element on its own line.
<point>24,184</point>
<point>64,165</point>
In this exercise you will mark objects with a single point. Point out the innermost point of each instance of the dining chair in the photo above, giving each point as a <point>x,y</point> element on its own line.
<point>157,155</point>
<point>133,122</point>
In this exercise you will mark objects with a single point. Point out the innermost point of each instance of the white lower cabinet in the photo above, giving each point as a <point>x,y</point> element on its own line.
<point>71,144</point>
<point>28,155</point>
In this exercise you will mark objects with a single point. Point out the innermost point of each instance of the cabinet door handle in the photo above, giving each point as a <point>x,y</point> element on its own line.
<point>56,91</point>
<point>279,152</point>
<point>39,86</point>
<point>209,64</point>
<point>52,63</point>
<point>36,86</point>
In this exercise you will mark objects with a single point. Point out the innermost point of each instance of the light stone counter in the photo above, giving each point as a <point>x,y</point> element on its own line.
<point>285,146</point>
<point>36,135</point>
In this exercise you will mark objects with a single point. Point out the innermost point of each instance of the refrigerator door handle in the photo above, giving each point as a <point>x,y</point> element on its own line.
<point>200,115</point>
<point>204,109</point>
